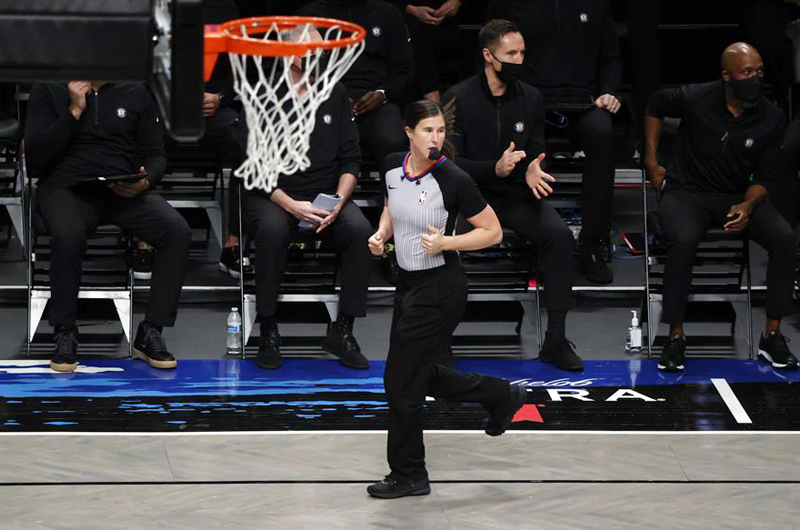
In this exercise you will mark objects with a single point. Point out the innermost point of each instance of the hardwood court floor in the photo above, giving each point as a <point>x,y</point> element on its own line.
<point>317,480</point>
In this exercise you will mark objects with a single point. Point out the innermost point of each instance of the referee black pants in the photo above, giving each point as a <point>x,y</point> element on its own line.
<point>71,215</point>
<point>427,308</point>
<point>540,223</point>
<point>274,228</point>
<point>686,216</point>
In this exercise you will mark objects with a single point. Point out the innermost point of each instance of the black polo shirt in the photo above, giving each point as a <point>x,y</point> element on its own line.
<point>714,151</point>
<point>485,125</point>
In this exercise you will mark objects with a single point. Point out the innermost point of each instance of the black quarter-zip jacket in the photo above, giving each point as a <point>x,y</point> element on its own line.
<point>570,45</point>
<point>387,61</point>
<point>117,132</point>
<point>485,125</point>
<point>714,151</point>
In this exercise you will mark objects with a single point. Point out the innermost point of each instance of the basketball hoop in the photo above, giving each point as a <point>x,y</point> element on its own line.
<point>280,104</point>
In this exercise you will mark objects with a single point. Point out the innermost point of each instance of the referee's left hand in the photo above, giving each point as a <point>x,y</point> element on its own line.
<point>433,242</point>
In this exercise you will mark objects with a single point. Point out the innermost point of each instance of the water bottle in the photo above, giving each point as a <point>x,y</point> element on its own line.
<point>234,332</point>
<point>634,342</point>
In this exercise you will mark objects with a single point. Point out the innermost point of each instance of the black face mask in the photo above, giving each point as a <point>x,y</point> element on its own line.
<point>747,91</point>
<point>434,154</point>
<point>509,72</point>
<point>322,63</point>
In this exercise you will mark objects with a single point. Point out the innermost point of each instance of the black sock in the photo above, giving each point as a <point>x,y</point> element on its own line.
<point>556,324</point>
<point>268,323</point>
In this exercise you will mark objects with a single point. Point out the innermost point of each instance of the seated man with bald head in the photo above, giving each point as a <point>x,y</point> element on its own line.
<point>727,151</point>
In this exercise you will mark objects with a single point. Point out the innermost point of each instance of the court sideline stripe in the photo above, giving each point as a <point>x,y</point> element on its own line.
<point>383,432</point>
<point>370,481</point>
<point>731,401</point>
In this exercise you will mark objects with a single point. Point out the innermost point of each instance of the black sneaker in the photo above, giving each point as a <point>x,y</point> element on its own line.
<point>500,418</point>
<point>774,350</point>
<point>593,261</point>
<point>269,346</point>
<point>142,262</point>
<point>561,353</point>
<point>65,354</point>
<point>389,488</point>
<point>150,347</point>
<point>229,262</point>
<point>673,355</point>
<point>341,343</point>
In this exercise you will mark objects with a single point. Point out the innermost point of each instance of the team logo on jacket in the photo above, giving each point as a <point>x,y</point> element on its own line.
<point>584,18</point>
<point>519,126</point>
<point>749,143</point>
<point>326,119</point>
<point>376,31</point>
<point>423,197</point>
<point>121,113</point>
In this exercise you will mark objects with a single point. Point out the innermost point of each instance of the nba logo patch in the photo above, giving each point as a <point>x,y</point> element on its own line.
<point>326,119</point>
<point>376,31</point>
<point>584,18</point>
<point>422,198</point>
<point>519,126</point>
<point>121,113</point>
<point>749,143</point>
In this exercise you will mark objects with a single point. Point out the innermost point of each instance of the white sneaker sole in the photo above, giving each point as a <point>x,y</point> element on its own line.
<point>662,367</point>
<point>767,357</point>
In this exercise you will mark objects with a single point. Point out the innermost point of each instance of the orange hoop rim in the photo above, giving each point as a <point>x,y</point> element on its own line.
<point>221,38</point>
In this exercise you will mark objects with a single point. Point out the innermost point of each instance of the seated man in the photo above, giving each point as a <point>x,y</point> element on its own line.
<point>274,218</point>
<point>92,128</point>
<point>380,78</point>
<point>574,58</point>
<point>433,28</point>
<point>494,114</point>
<point>729,133</point>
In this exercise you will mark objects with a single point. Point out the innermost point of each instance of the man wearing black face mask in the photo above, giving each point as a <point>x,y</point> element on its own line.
<point>727,151</point>
<point>499,139</point>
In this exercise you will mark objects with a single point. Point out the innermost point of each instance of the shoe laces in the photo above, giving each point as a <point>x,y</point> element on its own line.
<point>780,340</point>
<point>154,341</point>
<point>64,342</point>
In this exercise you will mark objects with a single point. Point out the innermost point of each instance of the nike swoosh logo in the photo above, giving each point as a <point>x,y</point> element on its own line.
<point>392,187</point>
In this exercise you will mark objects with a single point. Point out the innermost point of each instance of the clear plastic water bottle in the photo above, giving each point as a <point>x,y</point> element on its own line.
<point>234,332</point>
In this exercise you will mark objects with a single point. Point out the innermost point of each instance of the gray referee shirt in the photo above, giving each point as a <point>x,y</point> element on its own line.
<point>435,198</point>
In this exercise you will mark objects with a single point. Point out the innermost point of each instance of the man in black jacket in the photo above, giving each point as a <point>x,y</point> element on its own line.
<point>573,59</point>
<point>274,218</point>
<point>499,137</point>
<point>727,151</point>
<point>84,129</point>
<point>380,78</point>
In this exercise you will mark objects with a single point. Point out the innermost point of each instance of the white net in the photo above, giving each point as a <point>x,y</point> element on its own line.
<point>280,102</point>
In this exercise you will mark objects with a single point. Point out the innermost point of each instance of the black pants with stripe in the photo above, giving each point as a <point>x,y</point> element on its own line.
<point>428,306</point>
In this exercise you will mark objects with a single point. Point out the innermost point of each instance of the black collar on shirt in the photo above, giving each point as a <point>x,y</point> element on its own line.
<point>511,90</point>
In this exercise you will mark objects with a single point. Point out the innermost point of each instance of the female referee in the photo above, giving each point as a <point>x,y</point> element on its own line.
<point>424,193</point>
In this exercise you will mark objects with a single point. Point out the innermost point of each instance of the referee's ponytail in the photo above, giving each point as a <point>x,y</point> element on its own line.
<point>419,110</point>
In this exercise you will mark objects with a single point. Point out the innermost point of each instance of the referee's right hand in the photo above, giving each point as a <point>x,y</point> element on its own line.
<point>376,243</point>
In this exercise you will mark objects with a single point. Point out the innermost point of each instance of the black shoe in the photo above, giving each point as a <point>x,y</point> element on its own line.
<point>500,418</point>
<point>774,350</point>
<point>561,353</point>
<point>150,347</point>
<point>142,262</point>
<point>65,354</point>
<point>673,355</point>
<point>229,262</point>
<point>269,346</point>
<point>593,261</point>
<point>341,343</point>
<point>389,488</point>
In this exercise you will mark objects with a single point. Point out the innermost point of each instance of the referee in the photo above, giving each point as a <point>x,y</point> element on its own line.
<point>425,192</point>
